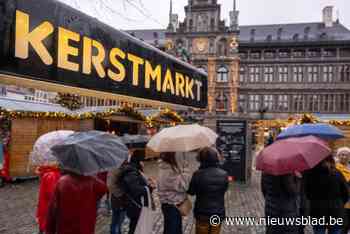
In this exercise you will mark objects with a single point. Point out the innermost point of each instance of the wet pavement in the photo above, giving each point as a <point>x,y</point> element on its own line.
<point>18,202</point>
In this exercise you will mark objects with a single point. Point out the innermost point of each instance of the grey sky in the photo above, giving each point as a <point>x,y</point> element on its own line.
<point>149,14</point>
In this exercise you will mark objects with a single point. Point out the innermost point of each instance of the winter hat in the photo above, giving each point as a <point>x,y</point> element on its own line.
<point>343,150</point>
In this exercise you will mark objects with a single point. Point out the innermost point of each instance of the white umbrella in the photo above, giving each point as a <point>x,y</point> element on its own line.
<point>182,138</point>
<point>42,154</point>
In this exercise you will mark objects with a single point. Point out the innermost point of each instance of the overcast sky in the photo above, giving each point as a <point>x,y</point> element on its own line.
<point>150,14</point>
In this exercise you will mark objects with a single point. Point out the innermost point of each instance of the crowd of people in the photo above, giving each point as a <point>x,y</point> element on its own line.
<point>68,202</point>
<point>320,193</point>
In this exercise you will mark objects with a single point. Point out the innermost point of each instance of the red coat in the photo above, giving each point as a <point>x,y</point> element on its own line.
<point>48,180</point>
<point>73,207</point>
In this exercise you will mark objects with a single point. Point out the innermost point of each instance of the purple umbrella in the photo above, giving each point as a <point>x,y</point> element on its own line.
<point>292,154</point>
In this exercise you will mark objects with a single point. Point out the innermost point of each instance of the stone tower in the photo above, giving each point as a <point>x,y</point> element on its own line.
<point>212,46</point>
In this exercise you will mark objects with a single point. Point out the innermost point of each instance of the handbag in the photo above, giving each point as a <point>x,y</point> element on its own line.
<point>185,207</point>
<point>147,216</point>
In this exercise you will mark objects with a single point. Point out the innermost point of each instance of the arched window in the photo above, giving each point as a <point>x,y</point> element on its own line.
<point>296,37</point>
<point>306,33</point>
<point>269,38</point>
<point>222,75</point>
<point>221,102</point>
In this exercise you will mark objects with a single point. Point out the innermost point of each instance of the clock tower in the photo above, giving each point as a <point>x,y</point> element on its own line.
<point>212,46</point>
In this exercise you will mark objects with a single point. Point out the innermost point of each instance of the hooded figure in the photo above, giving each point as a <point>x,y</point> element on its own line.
<point>209,184</point>
<point>134,186</point>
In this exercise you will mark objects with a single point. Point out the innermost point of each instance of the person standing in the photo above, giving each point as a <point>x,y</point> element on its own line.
<point>73,206</point>
<point>118,199</point>
<point>282,200</point>
<point>327,192</point>
<point>209,184</point>
<point>49,176</point>
<point>172,187</point>
<point>343,156</point>
<point>135,186</point>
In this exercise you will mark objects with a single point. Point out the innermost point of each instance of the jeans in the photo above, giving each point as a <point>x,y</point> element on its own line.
<point>331,230</point>
<point>172,219</point>
<point>118,216</point>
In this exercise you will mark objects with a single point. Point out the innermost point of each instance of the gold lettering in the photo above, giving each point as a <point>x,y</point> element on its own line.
<point>93,60</point>
<point>180,84</point>
<point>64,49</point>
<point>189,88</point>
<point>35,38</point>
<point>168,82</point>
<point>117,64</point>
<point>153,74</point>
<point>136,61</point>
<point>199,85</point>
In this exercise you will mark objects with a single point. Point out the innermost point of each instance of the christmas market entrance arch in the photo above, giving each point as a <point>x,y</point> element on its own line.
<point>63,50</point>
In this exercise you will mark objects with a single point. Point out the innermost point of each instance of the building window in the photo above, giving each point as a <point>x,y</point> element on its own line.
<point>312,73</point>
<point>222,75</point>
<point>313,103</point>
<point>329,53</point>
<point>344,102</point>
<point>297,103</point>
<point>252,34</point>
<point>283,54</point>
<point>269,54</point>
<point>254,102</point>
<point>313,53</point>
<point>306,33</point>
<point>283,74</point>
<point>222,47</point>
<point>279,33</point>
<point>255,55</point>
<point>221,102</point>
<point>254,74</point>
<point>243,55</point>
<point>327,74</point>
<point>345,73</point>
<point>298,54</point>
<point>242,103</point>
<point>268,102</point>
<point>242,74</point>
<point>296,37</point>
<point>268,74</point>
<point>282,103</point>
<point>298,74</point>
<point>327,102</point>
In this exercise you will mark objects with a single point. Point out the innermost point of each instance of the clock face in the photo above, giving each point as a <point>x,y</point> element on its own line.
<point>201,44</point>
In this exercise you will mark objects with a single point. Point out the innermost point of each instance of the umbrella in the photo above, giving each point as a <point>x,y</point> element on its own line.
<point>88,153</point>
<point>182,138</point>
<point>42,154</point>
<point>321,130</point>
<point>292,154</point>
<point>135,141</point>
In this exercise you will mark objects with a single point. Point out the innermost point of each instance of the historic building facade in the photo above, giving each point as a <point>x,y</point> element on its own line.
<point>278,69</point>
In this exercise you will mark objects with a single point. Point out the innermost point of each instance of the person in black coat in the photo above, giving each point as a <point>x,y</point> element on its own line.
<point>281,195</point>
<point>135,188</point>
<point>327,192</point>
<point>209,184</point>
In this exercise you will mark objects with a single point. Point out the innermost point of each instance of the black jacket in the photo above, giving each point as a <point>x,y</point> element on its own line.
<point>327,192</point>
<point>282,200</point>
<point>134,185</point>
<point>209,184</point>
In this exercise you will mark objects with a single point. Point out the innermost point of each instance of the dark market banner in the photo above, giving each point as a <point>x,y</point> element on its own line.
<point>46,40</point>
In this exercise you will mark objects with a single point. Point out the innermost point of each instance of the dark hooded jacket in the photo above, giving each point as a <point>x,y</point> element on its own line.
<point>134,186</point>
<point>209,184</point>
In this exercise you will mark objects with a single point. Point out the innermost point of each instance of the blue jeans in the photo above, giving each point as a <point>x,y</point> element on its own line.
<point>118,216</point>
<point>331,230</point>
<point>172,219</point>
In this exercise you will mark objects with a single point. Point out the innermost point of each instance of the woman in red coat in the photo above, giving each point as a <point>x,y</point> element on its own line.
<point>49,176</point>
<point>73,207</point>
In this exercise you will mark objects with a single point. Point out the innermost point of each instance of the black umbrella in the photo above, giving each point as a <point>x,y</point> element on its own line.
<point>88,153</point>
<point>135,141</point>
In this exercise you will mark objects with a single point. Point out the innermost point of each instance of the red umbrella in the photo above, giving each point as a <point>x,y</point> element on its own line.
<point>292,154</point>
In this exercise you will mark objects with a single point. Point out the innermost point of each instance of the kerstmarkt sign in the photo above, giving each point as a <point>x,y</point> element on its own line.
<point>48,41</point>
